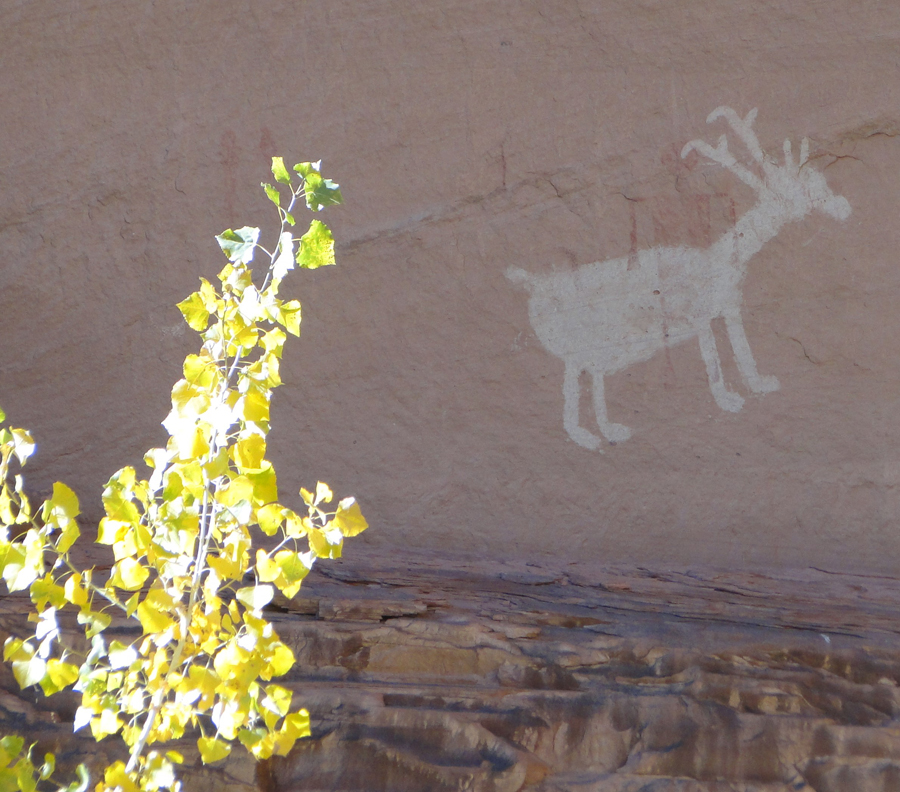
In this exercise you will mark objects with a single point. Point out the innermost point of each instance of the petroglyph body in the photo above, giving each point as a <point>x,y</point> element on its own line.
<point>606,316</point>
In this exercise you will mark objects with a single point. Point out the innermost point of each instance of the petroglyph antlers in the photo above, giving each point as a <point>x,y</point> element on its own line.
<point>744,129</point>
<point>780,181</point>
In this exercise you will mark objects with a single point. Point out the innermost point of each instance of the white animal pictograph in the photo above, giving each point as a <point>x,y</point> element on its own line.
<point>606,316</point>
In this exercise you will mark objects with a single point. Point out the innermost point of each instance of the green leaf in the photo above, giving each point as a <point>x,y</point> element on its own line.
<point>255,597</point>
<point>321,192</point>
<point>279,171</point>
<point>272,192</point>
<point>2,415</point>
<point>12,744</point>
<point>316,247</point>
<point>239,245</point>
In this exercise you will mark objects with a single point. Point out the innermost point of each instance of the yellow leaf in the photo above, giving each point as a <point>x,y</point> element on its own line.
<point>249,452</point>
<point>116,778</point>
<point>280,662</point>
<point>62,673</point>
<point>323,492</point>
<point>291,565</point>
<point>212,750</point>
<point>29,672</point>
<point>290,317</point>
<point>255,405</point>
<point>266,568</point>
<point>295,726</point>
<point>74,591</point>
<point>194,311</point>
<point>154,611</point>
<point>129,574</point>
<point>62,507</point>
<point>349,519</point>
<point>319,544</point>
<point>255,597</point>
<point>270,518</point>
<point>297,526</point>
<point>239,489</point>
<point>23,445</point>
<point>201,370</point>
<point>265,484</point>
<point>273,341</point>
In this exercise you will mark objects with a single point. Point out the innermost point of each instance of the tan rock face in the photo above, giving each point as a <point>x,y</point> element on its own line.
<point>755,377</point>
<point>575,679</point>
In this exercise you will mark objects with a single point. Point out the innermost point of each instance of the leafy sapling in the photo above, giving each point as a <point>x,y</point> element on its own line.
<point>185,571</point>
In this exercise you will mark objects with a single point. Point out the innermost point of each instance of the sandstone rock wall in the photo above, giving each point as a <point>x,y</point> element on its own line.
<point>472,137</point>
<point>454,674</point>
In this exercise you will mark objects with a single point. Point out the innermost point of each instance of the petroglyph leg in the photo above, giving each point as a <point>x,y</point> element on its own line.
<point>744,357</point>
<point>726,399</point>
<point>571,390</point>
<point>615,433</point>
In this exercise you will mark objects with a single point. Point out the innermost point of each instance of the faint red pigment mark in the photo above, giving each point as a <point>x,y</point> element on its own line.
<point>267,145</point>
<point>633,248</point>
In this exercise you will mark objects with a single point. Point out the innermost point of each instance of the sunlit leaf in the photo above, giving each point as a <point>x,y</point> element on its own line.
<point>292,565</point>
<point>63,674</point>
<point>195,312</point>
<point>323,492</point>
<point>129,574</point>
<point>279,171</point>
<point>154,611</point>
<point>316,247</point>
<point>281,661</point>
<point>270,518</point>
<point>255,597</point>
<point>212,750</point>
<point>29,672</point>
<point>285,260</point>
<point>349,519</point>
<point>22,444</point>
<point>272,193</point>
<point>49,766</point>
<point>249,452</point>
<point>238,245</point>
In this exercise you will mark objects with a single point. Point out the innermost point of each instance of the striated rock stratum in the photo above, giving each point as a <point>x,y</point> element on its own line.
<point>440,675</point>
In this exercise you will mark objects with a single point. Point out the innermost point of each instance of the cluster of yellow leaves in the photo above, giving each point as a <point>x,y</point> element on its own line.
<point>184,564</point>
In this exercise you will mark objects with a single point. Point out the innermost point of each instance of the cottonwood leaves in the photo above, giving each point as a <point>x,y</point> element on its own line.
<point>185,568</point>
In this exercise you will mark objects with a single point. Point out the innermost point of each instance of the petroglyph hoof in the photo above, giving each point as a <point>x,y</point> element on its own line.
<point>584,438</point>
<point>730,401</point>
<point>616,433</point>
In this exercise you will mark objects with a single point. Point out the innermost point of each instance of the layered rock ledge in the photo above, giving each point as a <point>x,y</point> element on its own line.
<point>436,674</point>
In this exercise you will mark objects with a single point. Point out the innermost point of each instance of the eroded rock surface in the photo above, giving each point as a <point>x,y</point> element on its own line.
<point>452,675</point>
